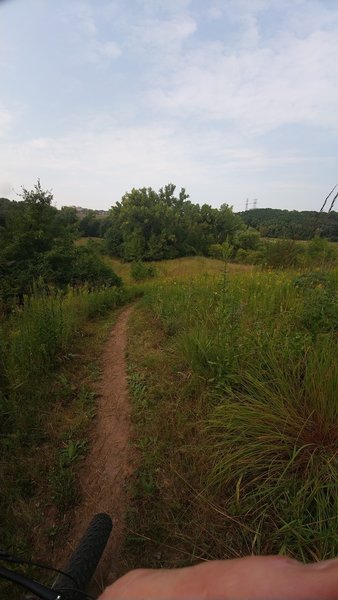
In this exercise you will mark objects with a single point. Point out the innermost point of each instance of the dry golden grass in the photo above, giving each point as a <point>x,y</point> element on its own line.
<point>191,267</point>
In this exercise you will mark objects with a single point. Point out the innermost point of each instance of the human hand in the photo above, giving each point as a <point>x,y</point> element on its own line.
<point>250,578</point>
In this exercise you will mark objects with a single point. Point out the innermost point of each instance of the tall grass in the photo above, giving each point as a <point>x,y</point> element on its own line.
<point>274,449</point>
<point>35,342</point>
<point>255,432</point>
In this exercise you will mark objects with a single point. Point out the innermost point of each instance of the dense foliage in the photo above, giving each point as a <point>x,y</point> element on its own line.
<point>37,242</point>
<point>149,225</point>
<point>304,225</point>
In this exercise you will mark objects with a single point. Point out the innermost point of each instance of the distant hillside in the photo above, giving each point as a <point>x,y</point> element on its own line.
<point>273,222</point>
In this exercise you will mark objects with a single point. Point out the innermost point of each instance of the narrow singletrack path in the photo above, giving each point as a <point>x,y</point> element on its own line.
<point>108,464</point>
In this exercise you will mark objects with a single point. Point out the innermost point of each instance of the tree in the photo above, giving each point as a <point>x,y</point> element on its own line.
<point>37,242</point>
<point>226,224</point>
<point>90,225</point>
<point>144,224</point>
<point>149,225</point>
<point>67,217</point>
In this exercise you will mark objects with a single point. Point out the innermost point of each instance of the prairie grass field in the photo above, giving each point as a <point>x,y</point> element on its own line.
<point>234,379</point>
<point>188,268</point>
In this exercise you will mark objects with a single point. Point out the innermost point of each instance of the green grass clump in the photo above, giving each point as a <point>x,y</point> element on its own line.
<point>274,450</point>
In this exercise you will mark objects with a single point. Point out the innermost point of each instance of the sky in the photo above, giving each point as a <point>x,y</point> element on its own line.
<point>230,99</point>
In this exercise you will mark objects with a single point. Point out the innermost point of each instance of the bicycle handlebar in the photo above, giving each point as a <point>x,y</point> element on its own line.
<point>31,585</point>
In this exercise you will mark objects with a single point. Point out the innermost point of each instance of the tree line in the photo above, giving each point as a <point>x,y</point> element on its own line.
<point>37,239</point>
<point>292,224</point>
<point>269,222</point>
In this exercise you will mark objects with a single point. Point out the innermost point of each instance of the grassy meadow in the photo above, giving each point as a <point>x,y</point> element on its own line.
<point>234,380</point>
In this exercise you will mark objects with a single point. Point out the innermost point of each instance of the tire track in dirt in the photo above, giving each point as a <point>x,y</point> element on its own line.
<point>108,465</point>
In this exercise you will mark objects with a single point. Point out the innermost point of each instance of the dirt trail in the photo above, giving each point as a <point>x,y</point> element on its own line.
<point>109,462</point>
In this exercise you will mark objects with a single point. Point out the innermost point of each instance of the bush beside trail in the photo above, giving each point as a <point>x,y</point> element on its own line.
<point>37,244</point>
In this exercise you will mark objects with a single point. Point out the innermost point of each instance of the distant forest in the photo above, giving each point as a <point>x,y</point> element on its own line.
<point>304,225</point>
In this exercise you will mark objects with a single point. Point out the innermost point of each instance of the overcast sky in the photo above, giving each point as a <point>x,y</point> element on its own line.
<point>231,99</point>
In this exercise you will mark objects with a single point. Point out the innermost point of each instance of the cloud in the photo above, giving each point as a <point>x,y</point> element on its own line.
<point>94,168</point>
<point>193,92</point>
<point>258,88</point>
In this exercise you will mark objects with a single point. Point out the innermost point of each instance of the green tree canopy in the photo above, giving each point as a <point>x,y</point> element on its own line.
<point>149,225</point>
<point>37,241</point>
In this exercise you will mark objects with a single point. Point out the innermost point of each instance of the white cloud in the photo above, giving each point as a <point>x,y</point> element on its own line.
<point>95,168</point>
<point>293,80</point>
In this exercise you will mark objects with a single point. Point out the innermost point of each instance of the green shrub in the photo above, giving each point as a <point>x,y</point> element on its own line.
<point>249,257</point>
<point>216,251</point>
<point>248,239</point>
<point>314,280</point>
<point>90,268</point>
<point>140,270</point>
<point>274,451</point>
<point>281,254</point>
<point>320,252</point>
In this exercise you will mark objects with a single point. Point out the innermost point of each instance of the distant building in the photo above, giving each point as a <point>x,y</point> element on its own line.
<point>82,212</point>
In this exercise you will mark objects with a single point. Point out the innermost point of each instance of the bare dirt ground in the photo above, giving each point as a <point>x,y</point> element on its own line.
<point>108,465</point>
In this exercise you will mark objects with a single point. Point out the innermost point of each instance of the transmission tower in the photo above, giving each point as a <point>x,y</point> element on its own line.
<point>249,204</point>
